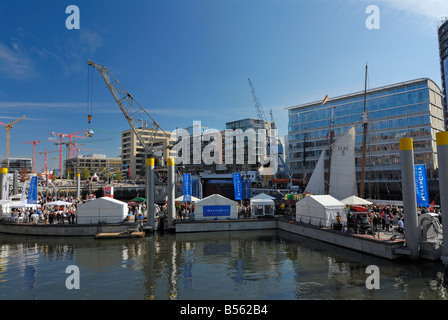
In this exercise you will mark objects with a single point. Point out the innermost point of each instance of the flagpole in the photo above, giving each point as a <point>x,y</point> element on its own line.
<point>363,172</point>
<point>330,151</point>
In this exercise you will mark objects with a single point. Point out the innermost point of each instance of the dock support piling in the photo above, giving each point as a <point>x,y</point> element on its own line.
<point>171,191</point>
<point>78,186</point>
<point>3,183</point>
<point>409,196</point>
<point>442,157</point>
<point>150,191</point>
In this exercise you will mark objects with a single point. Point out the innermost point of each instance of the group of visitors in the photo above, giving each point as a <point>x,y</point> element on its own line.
<point>184,211</point>
<point>48,214</point>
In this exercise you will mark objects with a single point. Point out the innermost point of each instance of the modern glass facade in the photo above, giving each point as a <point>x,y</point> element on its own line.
<point>443,49</point>
<point>409,109</point>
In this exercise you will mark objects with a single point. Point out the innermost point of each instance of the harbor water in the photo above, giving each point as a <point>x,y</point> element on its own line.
<point>238,265</point>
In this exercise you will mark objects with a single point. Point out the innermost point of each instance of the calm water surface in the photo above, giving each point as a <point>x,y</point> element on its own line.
<point>268,265</point>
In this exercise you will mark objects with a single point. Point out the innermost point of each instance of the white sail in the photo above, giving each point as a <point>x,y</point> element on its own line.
<point>343,168</point>
<point>316,185</point>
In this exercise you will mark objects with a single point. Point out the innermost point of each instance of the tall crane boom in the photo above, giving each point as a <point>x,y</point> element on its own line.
<point>258,108</point>
<point>131,109</point>
<point>8,127</point>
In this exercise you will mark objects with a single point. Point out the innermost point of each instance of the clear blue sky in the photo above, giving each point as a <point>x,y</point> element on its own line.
<point>189,60</point>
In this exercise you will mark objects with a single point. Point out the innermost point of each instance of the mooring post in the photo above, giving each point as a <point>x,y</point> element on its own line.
<point>78,186</point>
<point>171,191</point>
<point>442,157</point>
<point>150,191</point>
<point>4,183</point>
<point>409,196</point>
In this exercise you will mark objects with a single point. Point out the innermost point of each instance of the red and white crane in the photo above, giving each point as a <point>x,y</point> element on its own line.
<point>69,144</point>
<point>34,142</point>
<point>45,161</point>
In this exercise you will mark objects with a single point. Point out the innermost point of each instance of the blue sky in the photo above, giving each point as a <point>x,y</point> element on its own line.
<point>189,60</point>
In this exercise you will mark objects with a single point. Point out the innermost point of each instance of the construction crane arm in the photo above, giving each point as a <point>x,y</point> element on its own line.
<point>258,108</point>
<point>130,108</point>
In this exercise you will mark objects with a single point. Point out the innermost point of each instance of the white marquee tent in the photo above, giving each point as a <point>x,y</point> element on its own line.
<point>216,207</point>
<point>104,209</point>
<point>320,210</point>
<point>262,207</point>
<point>262,196</point>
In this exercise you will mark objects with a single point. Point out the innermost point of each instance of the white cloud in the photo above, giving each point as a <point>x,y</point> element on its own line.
<point>14,63</point>
<point>434,9</point>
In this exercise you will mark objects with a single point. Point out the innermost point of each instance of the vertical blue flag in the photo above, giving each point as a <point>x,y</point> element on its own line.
<point>187,187</point>
<point>421,185</point>
<point>237,186</point>
<point>32,192</point>
<point>247,189</point>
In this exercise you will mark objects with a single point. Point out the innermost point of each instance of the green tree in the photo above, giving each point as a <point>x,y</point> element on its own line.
<point>117,175</point>
<point>85,174</point>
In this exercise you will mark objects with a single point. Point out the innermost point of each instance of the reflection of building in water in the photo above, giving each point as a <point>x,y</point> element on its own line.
<point>24,259</point>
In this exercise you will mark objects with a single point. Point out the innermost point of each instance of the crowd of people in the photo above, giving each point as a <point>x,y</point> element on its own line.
<point>183,210</point>
<point>385,218</point>
<point>44,213</point>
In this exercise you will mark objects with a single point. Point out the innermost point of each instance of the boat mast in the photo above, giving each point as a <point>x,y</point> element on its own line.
<point>363,172</point>
<point>304,158</point>
<point>327,186</point>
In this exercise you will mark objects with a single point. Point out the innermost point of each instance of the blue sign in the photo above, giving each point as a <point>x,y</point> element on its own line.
<point>32,192</point>
<point>237,186</point>
<point>187,187</point>
<point>195,188</point>
<point>247,189</point>
<point>212,211</point>
<point>421,185</point>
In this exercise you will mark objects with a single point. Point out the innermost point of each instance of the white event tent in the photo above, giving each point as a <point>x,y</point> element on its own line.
<point>320,210</point>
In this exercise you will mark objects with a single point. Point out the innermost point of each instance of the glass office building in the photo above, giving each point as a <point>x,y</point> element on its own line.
<point>443,50</point>
<point>409,109</point>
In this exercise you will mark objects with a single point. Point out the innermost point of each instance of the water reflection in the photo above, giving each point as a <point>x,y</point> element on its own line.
<point>220,265</point>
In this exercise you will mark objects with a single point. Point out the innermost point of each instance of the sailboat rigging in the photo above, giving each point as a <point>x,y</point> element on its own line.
<point>341,178</point>
<point>342,171</point>
<point>364,141</point>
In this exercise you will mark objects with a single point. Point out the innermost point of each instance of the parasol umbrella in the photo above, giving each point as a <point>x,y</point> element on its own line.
<point>181,199</point>
<point>58,203</point>
<point>138,199</point>
<point>354,200</point>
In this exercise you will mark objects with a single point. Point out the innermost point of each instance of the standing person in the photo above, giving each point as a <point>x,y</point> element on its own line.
<point>400,227</point>
<point>375,222</point>
<point>383,220</point>
<point>387,222</point>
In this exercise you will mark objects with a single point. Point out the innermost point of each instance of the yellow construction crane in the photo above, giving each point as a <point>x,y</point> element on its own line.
<point>8,127</point>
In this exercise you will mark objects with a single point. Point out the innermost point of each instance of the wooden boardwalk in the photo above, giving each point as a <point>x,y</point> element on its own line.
<point>115,235</point>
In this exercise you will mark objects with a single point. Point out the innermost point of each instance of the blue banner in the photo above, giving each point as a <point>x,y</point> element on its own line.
<point>237,186</point>
<point>421,185</point>
<point>195,189</point>
<point>32,192</point>
<point>213,211</point>
<point>187,187</point>
<point>247,189</point>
